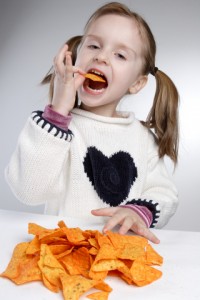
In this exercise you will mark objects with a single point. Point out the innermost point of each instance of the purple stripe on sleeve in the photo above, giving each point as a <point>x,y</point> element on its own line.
<point>142,211</point>
<point>55,118</point>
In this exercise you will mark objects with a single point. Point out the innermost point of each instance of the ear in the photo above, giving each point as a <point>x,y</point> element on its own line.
<point>138,84</point>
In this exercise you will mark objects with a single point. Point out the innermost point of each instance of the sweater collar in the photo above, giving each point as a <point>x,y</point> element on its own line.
<point>126,117</point>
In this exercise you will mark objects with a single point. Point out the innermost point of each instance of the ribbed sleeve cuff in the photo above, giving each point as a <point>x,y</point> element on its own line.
<point>143,212</point>
<point>151,205</point>
<point>58,132</point>
<point>55,118</point>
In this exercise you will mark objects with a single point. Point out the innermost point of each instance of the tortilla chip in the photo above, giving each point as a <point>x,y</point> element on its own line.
<point>19,255</point>
<point>36,229</point>
<point>106,252</point>
<point>21,268</point>
<point>50,267</point>
<point>59,249</point>
<point>94,77</point>
<point>103,286</point>
<point>62,224</point>
<point>152,257</point>
<point>76,260</point>
<point>121,240</point>
<point>54,235</point>
<point>75,286</point>
<point>100,275</point>
<point>107,265</point>
<point>65,253</point>
<point>143,274</point>
<point>93,242</point>
<point>28,271</point>
<point>33,247</point>
<point>98,296</point>
<point>67,263</point>
<point>74,235</point>
<point>81,261</point>
<point>102,239</point>
<point>93,251</point>
<point>130,251</point>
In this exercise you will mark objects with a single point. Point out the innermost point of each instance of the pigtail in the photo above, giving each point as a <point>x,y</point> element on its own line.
<point>163,116</point>
<point>73,45</point>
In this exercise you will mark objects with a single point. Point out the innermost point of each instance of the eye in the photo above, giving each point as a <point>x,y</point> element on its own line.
<point>120,56</point>
<point>93,47</point>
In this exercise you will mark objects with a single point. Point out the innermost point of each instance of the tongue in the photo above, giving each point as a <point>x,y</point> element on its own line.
<point>96,85</point>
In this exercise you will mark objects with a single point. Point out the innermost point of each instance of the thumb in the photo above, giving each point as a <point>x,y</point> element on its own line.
<point>78,76</point>
<point>79,79</point>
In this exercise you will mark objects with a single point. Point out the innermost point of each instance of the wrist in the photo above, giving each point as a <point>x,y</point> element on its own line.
<point>60,109</point>
<point>142,211</point>
<point>56,118</point>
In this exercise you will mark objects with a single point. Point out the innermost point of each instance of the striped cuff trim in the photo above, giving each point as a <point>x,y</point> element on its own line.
<point>151,205</point>
<point>66,135</point>
<point>143,212</point>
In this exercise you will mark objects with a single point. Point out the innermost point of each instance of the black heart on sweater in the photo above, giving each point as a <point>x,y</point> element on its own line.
<point>111,177</point>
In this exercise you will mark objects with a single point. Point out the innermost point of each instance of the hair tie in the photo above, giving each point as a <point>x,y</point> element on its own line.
<point>154,71</point>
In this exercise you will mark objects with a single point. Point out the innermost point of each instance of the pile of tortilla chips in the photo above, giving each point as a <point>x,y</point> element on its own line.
<point>74,261</point>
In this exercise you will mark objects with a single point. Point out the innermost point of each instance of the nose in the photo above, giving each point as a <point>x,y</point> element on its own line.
<point>102,58</point>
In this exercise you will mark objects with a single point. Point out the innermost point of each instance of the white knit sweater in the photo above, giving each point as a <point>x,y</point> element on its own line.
<point>98,162</point>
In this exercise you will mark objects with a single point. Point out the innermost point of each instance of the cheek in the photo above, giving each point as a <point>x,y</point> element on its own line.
<point>133,73</point>
<point>82,57</point>
<point>129,75</point>
<point>79,57</point>
<point>77,62</point>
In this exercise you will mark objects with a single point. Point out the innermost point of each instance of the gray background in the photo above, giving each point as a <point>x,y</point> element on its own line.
<point>31,32</point>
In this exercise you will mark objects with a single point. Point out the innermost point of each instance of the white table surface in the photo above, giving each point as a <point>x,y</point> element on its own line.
<point>180,250</point>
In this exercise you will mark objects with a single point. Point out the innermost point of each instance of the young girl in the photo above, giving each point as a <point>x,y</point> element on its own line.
<point>82,157</point>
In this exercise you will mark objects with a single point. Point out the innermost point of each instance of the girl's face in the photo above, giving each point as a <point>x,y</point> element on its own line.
<point>111,47</point>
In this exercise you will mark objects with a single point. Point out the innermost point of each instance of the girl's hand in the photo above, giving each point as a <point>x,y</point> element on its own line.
<point>65,83</point>
<point>128,219</point>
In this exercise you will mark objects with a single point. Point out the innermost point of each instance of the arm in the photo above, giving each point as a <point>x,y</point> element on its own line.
<point>67,80</point>
<point>158,196</point>
<point>55,118</point>
<point>36,169</point>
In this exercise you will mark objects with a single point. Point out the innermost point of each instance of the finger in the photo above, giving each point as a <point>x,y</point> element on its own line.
<point>68,74</point>
<point>107,211</point>
<point>126,225</point>
<point>152,237</point>
<point>78,76</point>
<point>146,233</point>
<point>115,220</point>
<point>78,70</point>
<point>59,59</point>
<point>79,81</point>
<point>61,54</point>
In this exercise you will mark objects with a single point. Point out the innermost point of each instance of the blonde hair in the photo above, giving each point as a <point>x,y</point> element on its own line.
<point>163,116</point>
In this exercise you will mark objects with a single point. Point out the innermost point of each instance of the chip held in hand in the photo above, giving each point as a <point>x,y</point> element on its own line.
<point>78,261</point>
<point>94,77</point>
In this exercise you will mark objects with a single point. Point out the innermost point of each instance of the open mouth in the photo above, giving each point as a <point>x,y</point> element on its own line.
<point>96,83</point>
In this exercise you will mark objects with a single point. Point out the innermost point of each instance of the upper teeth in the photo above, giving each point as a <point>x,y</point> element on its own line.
<point>96,72</point>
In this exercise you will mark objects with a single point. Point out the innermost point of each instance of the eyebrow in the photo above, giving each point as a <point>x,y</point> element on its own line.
<point>121,46</point>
